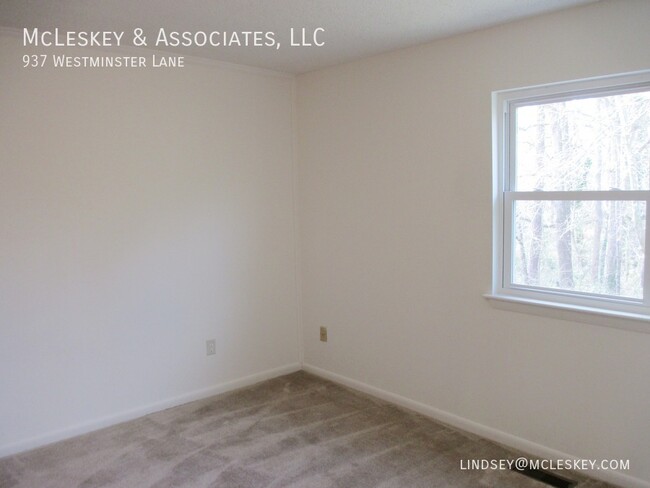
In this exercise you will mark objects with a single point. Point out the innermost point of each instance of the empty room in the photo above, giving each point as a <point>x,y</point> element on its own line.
<point>324,243</point>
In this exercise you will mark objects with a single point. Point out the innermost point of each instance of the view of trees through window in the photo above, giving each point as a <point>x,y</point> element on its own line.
<point>591,144</point>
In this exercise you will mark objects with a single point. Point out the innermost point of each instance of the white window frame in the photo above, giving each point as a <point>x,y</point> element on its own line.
<point>504,103</point>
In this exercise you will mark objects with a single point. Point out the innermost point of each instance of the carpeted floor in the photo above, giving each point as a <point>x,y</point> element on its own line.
<point>293,431</point>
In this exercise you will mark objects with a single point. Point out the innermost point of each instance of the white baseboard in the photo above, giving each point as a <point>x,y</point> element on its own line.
<point>85,427</point>
<point>532,448</point>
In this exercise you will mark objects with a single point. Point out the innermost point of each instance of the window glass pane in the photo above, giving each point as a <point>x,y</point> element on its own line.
<point>585,246</point>
<point>599,143</point>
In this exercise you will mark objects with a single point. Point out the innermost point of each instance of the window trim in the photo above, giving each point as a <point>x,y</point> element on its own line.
<point>503,146</point>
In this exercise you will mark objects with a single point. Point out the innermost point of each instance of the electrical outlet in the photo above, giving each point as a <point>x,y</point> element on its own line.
<point>323,334</point>
<point>210,347</point>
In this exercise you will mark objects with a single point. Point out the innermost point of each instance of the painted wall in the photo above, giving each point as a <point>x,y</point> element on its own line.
<point>395,214</point>
<point>142,211</point>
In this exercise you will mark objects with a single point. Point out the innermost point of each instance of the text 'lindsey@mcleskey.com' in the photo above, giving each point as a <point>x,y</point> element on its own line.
<point>523,463</point>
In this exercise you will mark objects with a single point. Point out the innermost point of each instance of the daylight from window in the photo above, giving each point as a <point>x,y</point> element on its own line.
<point>586,245</point>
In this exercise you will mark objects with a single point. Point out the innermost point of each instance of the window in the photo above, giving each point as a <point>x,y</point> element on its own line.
<point>571,195</point>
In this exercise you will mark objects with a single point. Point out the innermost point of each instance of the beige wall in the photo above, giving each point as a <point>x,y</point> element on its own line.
<point>395,214</point>
<point>142,212</point>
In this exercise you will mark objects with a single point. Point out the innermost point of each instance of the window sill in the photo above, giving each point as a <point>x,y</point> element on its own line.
<point>606,318</point>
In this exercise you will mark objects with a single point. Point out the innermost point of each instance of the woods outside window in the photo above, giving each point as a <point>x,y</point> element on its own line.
<point>571,194</point>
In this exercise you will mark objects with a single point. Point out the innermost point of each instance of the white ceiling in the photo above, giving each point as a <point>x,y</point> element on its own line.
<point>353,28</point>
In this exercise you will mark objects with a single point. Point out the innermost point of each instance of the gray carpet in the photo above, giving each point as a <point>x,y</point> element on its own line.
<point>293,431</point>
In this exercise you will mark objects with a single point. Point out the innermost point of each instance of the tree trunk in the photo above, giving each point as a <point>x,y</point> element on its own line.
<point>536,224</point>
<point>563,210</point>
